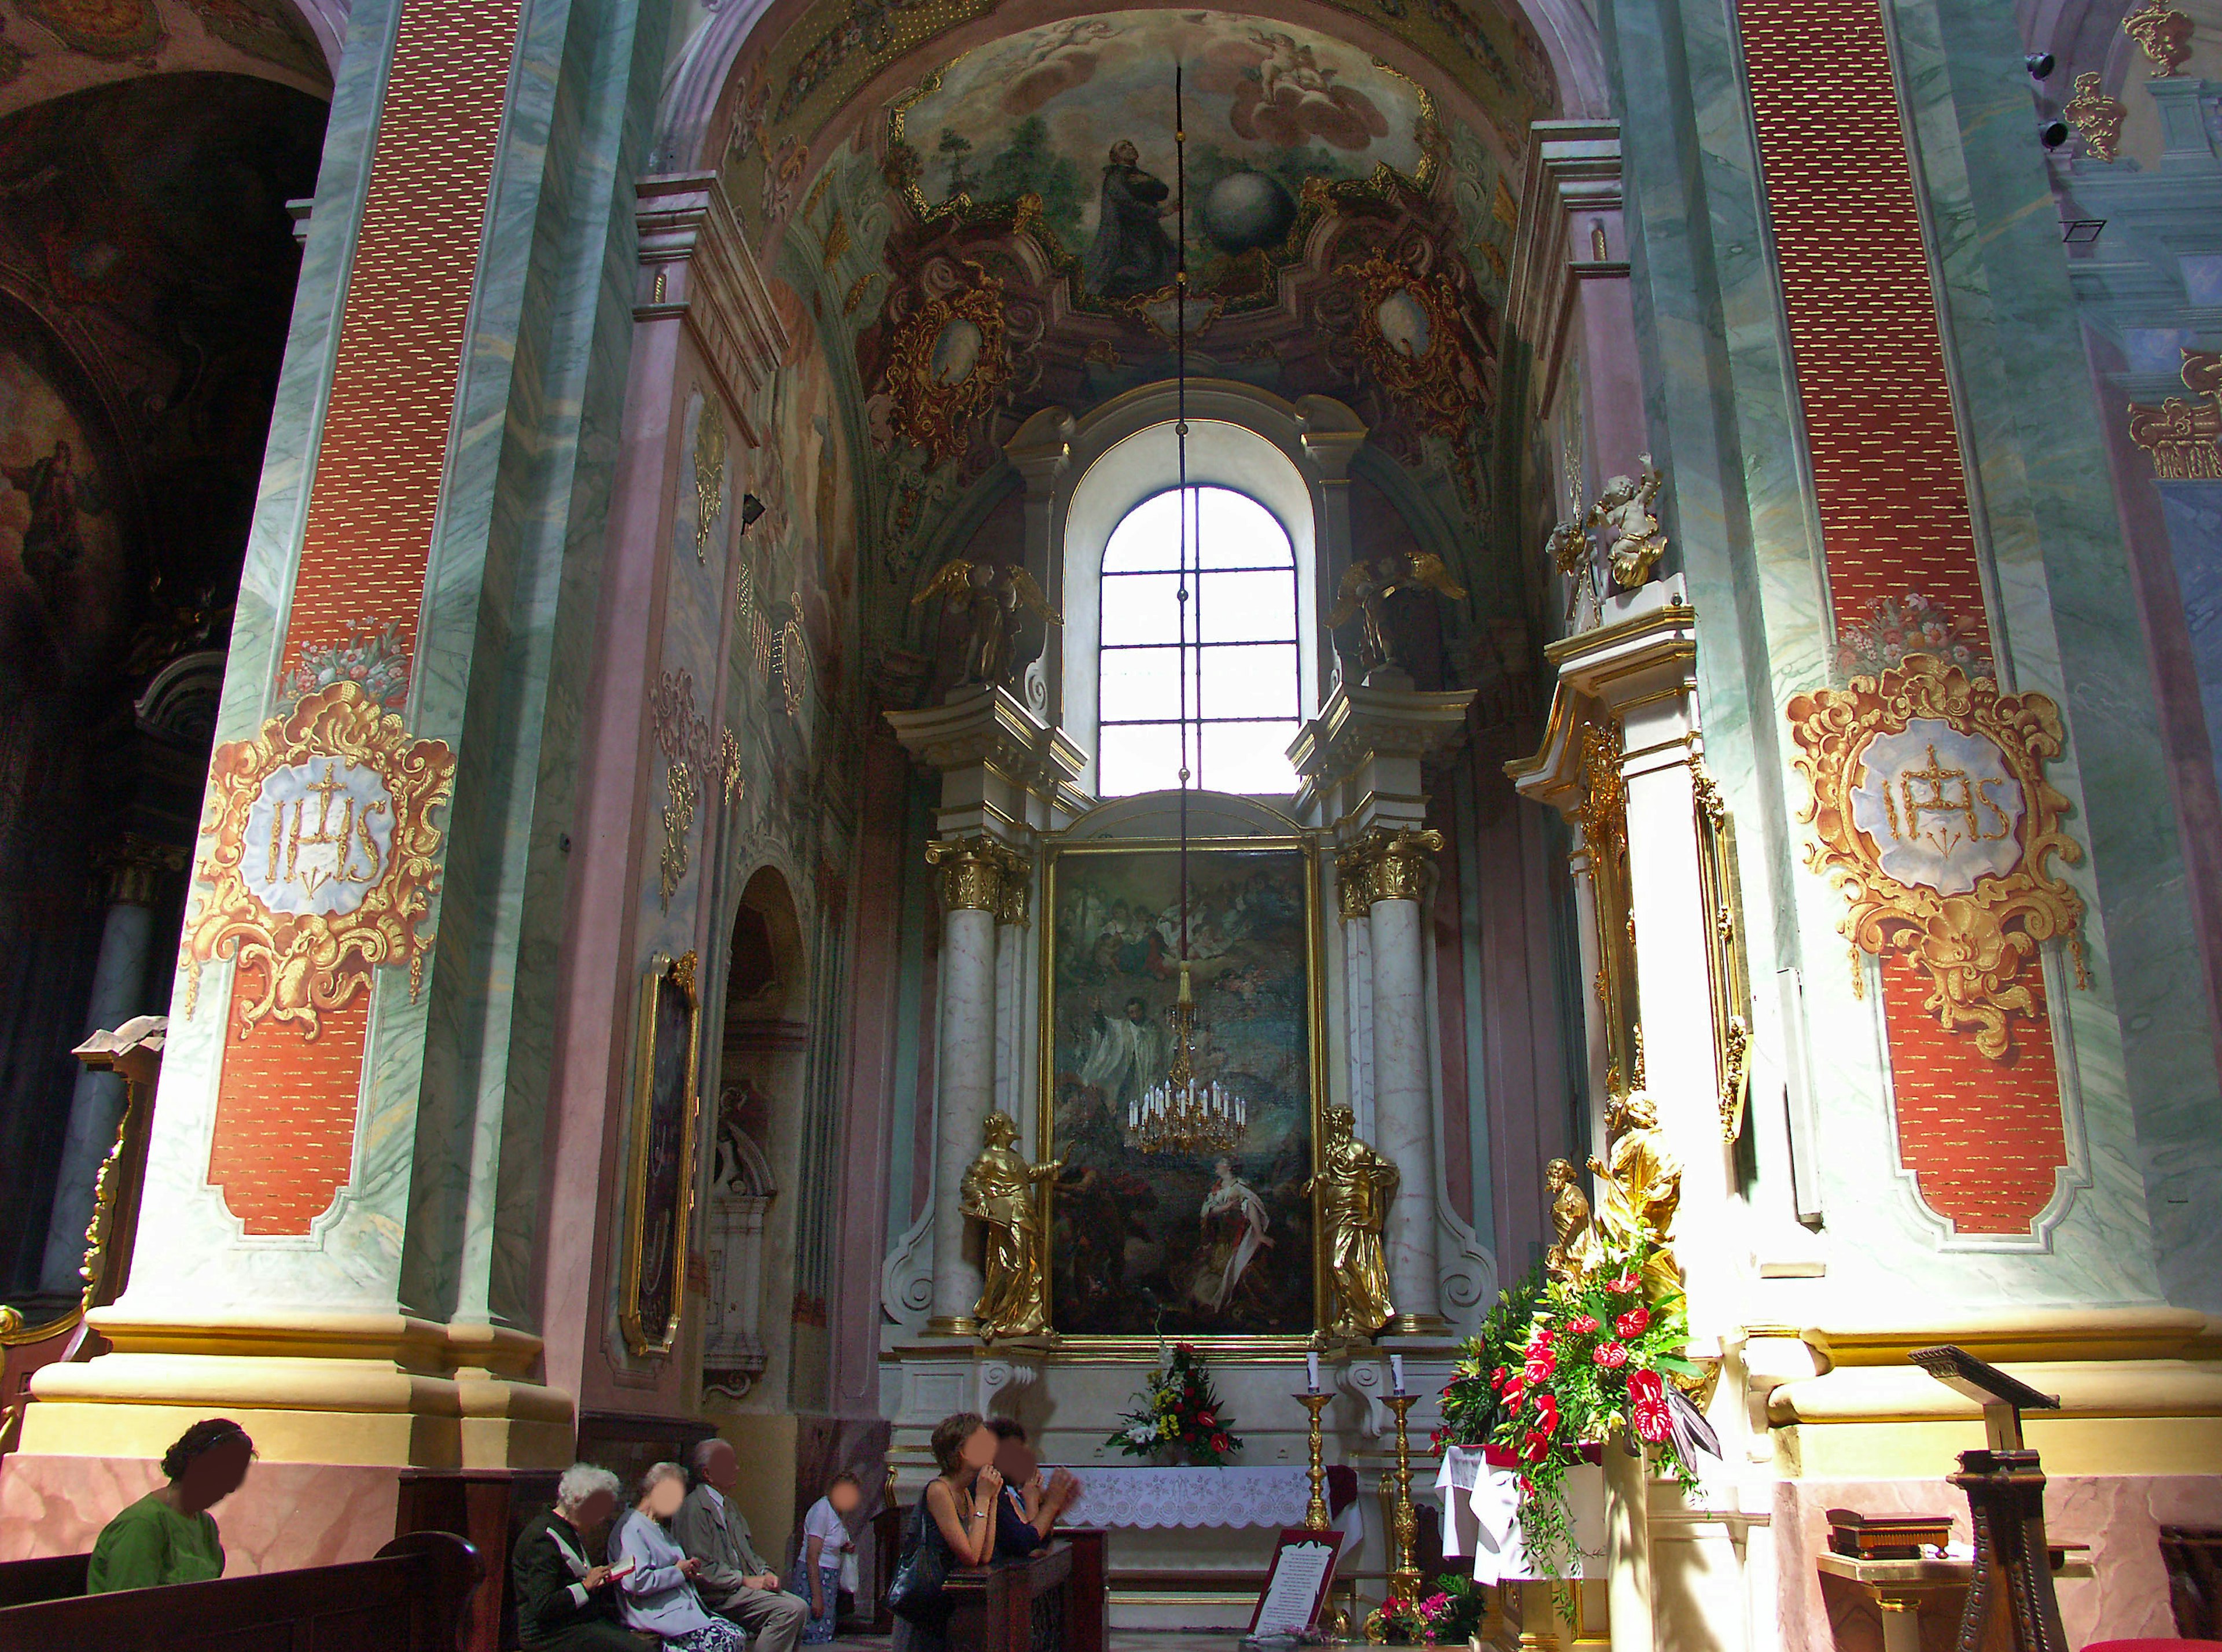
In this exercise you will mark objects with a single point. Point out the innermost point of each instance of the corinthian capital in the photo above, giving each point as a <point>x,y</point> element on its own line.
<point>1385,866</point>
<point>980,875</point>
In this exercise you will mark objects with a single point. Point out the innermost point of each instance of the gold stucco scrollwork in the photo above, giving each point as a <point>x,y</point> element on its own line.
<point>1601,815</point>
<point>2184,438</point>
<point>735,783</point>
<point>678,816</point>
<point>947,365</point>
<point>2096,115</point>
<point>709,476</point>
<point>683,737</point>
<point>980,875</point>
<point>324,857</point>
<point>1932,813</point>
<point>2162,34</point>
<point>1413,335</point>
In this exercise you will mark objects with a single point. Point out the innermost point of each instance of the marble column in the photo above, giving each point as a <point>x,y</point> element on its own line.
<point>136,872</point>
<point>974,880</point>
<point>1395,871</point>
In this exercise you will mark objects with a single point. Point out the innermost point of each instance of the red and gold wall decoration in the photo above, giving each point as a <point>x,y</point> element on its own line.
<point>1930,806</point>
<point>306,933</point>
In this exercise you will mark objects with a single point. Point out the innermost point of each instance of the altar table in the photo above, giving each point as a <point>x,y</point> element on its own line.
<point>1203,1497</point>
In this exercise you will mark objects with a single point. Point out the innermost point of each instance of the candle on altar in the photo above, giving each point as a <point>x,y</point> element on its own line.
<point>1396,1372</point>
<point>1311,1374</point>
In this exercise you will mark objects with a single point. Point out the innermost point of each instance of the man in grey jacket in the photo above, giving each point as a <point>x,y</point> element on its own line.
<point>733,1581</point>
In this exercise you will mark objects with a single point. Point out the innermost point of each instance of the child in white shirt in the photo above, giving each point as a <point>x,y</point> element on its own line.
<point>826,1549</point>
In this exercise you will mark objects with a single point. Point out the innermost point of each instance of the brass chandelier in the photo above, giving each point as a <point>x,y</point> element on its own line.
<point>1181,1113</point>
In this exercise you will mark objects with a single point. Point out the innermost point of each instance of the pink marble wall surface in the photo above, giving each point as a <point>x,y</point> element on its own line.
<point>2118,1516</point>
<point>287,1515</point>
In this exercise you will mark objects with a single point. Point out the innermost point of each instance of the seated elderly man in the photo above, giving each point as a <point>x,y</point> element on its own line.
<point>564,1605</point>
<point>733,1580</point>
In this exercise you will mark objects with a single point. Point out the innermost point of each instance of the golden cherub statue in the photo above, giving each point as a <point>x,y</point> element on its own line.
<point>1366,588</point>
<point>1575,1251</point>
<point>1640,1184</point>
<point>998,1193</point>
<point>992,597</point>
<point>1633,542</point>
<point>1355,1185</point>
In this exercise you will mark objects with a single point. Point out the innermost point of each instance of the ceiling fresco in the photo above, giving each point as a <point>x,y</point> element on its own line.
<point>52,47</point>
<point>996,234</point>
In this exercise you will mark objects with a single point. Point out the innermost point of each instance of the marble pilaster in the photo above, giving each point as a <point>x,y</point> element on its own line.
<point>1404,1128</point>
<point>964,1090</point>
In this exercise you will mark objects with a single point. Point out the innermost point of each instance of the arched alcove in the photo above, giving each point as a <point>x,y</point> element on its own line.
<point>754,1154</point>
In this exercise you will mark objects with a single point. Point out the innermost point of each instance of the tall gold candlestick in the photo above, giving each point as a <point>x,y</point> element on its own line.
<point>1404,1577</point>
<point>1315,1519</point>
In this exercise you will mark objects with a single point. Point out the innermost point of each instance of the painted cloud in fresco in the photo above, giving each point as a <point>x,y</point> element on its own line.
<point>1041,112</point>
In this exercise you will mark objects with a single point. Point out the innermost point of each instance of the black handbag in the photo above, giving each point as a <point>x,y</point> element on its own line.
<point>914,1591</point>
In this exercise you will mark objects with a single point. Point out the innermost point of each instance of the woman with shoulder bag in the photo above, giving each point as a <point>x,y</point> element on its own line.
<point>954,1525</point>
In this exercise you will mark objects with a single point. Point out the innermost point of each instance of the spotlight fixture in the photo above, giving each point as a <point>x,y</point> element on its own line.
<point>2052,134</point>
<point>751,508</point>
<point>2040,65</point>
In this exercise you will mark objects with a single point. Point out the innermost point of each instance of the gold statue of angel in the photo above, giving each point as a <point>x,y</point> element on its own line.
<point>1366,588</point>
<point>992,598</point>
<point>1633,541</point>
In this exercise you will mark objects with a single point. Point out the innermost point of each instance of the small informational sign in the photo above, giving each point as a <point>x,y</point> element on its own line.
<point>1297,1585</point>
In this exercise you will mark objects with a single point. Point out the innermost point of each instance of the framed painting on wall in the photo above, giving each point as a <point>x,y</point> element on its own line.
<point>665,1105</point>
<point>1193,1245</point>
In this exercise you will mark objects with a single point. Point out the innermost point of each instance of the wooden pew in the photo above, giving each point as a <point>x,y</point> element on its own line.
<point>50,1578</point>
<point>412,1597</point>
<point>1054,1601</point>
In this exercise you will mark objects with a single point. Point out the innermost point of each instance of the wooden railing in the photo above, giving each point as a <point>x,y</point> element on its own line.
<point>1054,1601</point>
<point>411,1598</point>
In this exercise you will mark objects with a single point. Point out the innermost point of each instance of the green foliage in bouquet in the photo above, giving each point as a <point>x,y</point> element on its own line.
<point>1180,1416</point>
<point>1473,1407</point>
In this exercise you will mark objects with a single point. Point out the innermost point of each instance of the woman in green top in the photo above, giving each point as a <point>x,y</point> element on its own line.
<point>168,1536</point>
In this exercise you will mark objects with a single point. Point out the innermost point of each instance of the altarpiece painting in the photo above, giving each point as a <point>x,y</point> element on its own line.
<point>1176,1243</point>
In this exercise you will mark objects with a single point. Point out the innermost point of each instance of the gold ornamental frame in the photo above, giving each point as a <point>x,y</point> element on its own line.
<point>1977,948</point>
<point>1126,1348</point>
<point>1728,965</point>
<point>928,411</point>
<point>313,962</point>
<point>646,1341</point>
<point>1601,816</point>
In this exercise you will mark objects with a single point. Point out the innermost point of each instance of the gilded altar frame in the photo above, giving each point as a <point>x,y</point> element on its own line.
<point>644,1276</point>
<point>1143,1349</point>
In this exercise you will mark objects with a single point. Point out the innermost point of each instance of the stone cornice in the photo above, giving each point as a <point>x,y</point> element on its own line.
<point>695,265</point>
<point>1365,721</point>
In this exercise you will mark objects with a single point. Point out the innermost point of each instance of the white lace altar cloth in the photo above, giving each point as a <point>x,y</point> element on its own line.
<point>1190,1497</point>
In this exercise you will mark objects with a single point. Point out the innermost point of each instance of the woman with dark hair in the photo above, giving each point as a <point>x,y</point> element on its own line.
<point>956,1513</point>
<point>168,1536</point>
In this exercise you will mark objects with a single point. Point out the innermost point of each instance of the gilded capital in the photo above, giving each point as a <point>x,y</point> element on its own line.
<point>980,875</point>
<point>1384,866</point>
<point>135,869</point>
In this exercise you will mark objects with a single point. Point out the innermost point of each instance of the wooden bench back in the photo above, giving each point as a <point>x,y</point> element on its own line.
<point>411,1598</point>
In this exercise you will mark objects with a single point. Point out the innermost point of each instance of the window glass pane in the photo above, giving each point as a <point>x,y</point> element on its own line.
<point>1249,758</point>
<point>1246,607</point>
<point>1139,757</point>
<point>1141,608</point>
<point>1254,680</point>
<point>1234,530</point>
<point>1140,684</point>
<point>1147,538</point>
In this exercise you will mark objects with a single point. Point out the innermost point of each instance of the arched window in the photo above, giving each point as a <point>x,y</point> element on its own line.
<point>1243,666</point>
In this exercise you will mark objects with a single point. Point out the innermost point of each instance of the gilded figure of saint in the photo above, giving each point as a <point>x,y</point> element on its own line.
<point>998,1193</point>
<point>1641,1182</point>
<point>1575,1251</point>
<point>1354,1184</point>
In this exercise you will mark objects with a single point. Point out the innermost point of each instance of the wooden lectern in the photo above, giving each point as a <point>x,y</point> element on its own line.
<point>2010,1606</point>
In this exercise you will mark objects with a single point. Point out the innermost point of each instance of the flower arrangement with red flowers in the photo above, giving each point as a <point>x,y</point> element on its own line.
<point>1180,1416</point>
<point>1592,1360</point>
